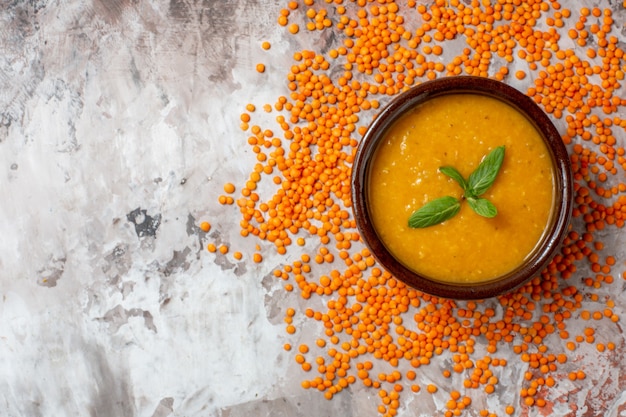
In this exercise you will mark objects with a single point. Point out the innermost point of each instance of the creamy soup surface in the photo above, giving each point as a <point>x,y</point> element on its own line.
<point>459,130</point>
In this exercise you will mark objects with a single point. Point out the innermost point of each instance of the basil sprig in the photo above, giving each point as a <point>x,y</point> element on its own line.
<point>479,181</point>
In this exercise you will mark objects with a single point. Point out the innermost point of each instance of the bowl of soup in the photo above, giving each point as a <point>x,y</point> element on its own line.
<point>486,168</point>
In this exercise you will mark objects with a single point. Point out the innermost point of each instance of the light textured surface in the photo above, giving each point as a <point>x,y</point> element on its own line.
<point>119,124</point>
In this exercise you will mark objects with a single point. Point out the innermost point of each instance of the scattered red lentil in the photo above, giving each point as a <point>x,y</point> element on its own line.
<point>229,188</point>
<point>371,321</point>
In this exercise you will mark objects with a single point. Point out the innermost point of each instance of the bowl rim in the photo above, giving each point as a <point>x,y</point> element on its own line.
<point>563,186</point>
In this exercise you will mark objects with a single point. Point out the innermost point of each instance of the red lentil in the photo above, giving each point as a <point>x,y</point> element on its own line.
<point>205,227</point>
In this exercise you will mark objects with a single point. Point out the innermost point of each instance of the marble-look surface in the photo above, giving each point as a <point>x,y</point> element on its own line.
<point>119,124</point>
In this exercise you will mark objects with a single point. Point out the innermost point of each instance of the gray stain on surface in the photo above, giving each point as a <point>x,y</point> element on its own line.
<point>191,227</point>
<point>111,10</point>
<point>178,262</point>
<point>51,273</point>
<point>145,225</point>
<point>165,407</point>
<point>119,316</point>
<point>117,263</point>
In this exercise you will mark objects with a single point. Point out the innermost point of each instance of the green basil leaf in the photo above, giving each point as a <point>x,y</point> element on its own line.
<point>483,207</point>
<point>444,208</point>
<point>455,175</point>
<point>435,212</point>
<point>483,177</point>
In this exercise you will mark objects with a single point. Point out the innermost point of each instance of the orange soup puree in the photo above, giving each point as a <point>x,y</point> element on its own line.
<point>459,130</point>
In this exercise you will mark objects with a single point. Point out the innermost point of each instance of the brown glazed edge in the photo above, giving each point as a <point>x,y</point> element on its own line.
<point>563,187</point>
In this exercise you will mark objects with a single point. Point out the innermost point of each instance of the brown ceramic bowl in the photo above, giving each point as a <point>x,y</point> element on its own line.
<point>557,226</point>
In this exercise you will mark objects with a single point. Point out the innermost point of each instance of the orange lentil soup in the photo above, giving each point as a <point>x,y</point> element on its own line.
<point>459,130</point>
